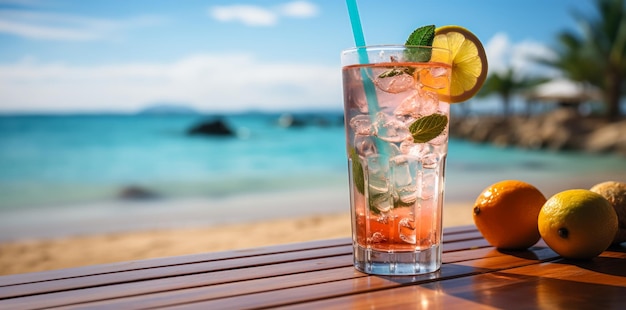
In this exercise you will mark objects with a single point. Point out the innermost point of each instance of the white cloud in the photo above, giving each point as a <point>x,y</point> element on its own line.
<point>302,9</point>
<point>502,54</point>
<point>497,50</point>
<point>211,82</point>
<point>39,32</point>
<point>253,15</point>
<point>247,14</point>
<point>65,27</point>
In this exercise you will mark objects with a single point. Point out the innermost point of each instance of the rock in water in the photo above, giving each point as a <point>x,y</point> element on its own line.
<point>212,128</point>
<point>134,192</point>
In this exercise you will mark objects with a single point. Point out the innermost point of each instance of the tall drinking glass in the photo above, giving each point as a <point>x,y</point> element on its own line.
<point>396,121</point>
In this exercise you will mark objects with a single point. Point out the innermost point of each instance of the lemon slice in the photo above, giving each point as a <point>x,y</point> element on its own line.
<point>468,59</point>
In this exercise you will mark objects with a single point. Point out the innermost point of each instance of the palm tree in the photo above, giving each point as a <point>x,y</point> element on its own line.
<point>502,84</point>
<point>597,55</point>
<point>506,84</point>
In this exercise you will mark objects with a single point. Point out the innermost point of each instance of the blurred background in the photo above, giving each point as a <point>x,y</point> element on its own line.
<point>114,107</point>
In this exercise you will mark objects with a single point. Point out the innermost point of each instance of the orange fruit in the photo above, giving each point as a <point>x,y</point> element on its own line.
<point>469,62</point>
<point>577,223</point>
<point>506,214</point>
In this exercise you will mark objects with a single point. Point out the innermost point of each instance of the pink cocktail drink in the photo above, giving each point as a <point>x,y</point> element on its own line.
<point>396,120</point>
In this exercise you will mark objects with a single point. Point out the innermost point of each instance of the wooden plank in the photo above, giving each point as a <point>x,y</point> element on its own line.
<point>236,277</point>
<point>232,289</point>
<point>474,274</point>
<point>181,282</point>
<point>404,297</point>
<point>299,285</point>
<point>61,289</point>
<point>558,284</point>
<point>232,283</point>
<point>189,259</point>
<point>166,261</point>
<point>462,236</point>
<point>459,229</point>
<point>607,269</point>
<point>497,290</point>
<point>136,275</point>
<point>465,245</point>
<point>241,286</point>
<point>168,271</point>
<point>363,285</point>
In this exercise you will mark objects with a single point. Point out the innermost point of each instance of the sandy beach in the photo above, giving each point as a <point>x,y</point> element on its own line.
<point>100,247</point>
<point>112,231</point>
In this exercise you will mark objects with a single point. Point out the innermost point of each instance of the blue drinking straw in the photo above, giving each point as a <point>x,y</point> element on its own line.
<point>359,40</point>
<point>368,86</point>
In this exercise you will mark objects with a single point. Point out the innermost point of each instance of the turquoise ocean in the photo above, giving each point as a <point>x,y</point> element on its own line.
<point>65,159</point>
<point>68,159</point>
<point>54,160</point>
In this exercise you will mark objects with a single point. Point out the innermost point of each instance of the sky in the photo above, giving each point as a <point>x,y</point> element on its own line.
<point>75,56</point>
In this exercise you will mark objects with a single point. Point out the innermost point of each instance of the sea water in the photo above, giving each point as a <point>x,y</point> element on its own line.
<point>57,159</point>
<point>48,160</point>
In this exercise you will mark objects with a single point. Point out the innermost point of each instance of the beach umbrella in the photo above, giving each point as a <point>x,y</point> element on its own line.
<point>564,91</point>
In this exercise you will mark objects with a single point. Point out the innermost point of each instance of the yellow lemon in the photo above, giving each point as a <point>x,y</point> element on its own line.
<point>469,62</point>
<point>506,214</point>
<point>577,223</point>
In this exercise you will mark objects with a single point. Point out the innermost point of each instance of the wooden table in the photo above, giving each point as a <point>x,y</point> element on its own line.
<point>319,274</point>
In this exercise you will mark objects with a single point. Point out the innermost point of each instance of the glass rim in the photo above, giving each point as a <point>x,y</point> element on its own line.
<point>391,47</point>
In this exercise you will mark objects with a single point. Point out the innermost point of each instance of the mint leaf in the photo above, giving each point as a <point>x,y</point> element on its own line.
<point>392,72</point>
<point>358,178</point>
<point>372,207</point>
<point>395,71</point>
<point>357,171</point>
<point>422,36</point>
<point>428,127</point>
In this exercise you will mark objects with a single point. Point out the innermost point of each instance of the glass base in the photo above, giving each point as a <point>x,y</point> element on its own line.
<point>397,263</point>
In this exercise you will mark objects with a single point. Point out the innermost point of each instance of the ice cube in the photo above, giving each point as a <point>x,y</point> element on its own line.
<point>435,78</point>
<point>394,81</point>
<point>430,160</point>
<point>429,103</point>
<point>409,105</point>
<point>404,171</point>
<point>383,219</point>
<point>379,192</point>
<point>406,146</point>
<point>406,230</point>
<point>390,129</point>
<point>407,196</point>
<point>355,97</point>
<point>377,165</point>
<point>401,171</point>
<point>439,71</point>
<point>444,108</point>
<point>418,103</point>
<point>364,145</point>
<point>429,183</point>
<point>383,202</point>
<point>440,139</point>
<point>393,150</point>
<point>361,125</point>
<point>420,150</point>
<point>377,237</point>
